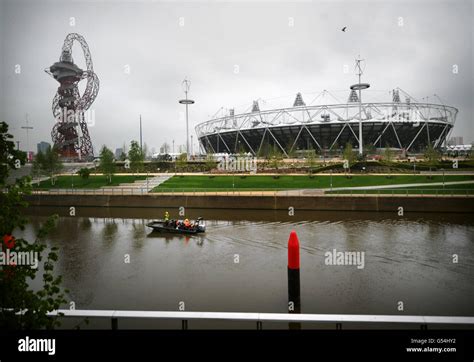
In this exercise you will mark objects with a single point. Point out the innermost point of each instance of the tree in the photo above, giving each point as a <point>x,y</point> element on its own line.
<point>135,155</point>
<point>310,160</point>
<point>210,162</point>
<point>388,154</point>
<point>291,151</point>
<point>48,164</point>
<point>37,165</point>
<point>275,159</point>
<point>265,150</point>
<point>334,150</point>
<point>369,149</point>
<point>388,157</point>
<point>240,148</point>
<point>123,155</point>
<point>22,307</point>
<point>84,173</point>
<point>432,156</point>
<point>349,155</point>
<point>181,161</point>
<point>107,163</point>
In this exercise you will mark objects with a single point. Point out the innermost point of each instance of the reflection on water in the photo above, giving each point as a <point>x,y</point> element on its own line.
<point>406,259</point>
<point>109,231</point>
<point>249,215</point>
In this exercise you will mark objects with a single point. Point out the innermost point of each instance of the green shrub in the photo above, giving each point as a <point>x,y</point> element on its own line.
<point>84,173</point>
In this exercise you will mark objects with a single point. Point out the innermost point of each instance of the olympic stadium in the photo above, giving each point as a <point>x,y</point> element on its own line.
<point>399,121</point>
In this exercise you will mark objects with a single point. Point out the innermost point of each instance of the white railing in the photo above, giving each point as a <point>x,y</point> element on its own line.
<point>386,192</point>
<point>101,191</point>
<point>260,318</point>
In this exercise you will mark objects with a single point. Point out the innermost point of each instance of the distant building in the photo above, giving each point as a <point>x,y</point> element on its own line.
<point>457,140</point>
<point>165,148</point>
<point>118,153</point>
<point>459,150</point>
<point>42,146</point>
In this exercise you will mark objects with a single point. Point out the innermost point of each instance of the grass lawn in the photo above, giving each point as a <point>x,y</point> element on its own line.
<point>223,183</point>
<point>448,189</point>
<point>93,182</point>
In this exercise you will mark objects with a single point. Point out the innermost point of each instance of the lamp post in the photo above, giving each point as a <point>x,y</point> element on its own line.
<point>141,140</point>
<point>186,85</point>
<point>27,127</point>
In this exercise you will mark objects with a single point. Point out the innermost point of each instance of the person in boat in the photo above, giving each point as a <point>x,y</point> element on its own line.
<point>167,218</point>
<point>187,224</point>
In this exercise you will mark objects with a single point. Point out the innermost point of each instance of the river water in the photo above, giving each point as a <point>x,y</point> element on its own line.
<point>240,263</point>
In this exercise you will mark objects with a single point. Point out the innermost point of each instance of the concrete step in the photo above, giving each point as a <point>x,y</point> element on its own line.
<point>140,186</point>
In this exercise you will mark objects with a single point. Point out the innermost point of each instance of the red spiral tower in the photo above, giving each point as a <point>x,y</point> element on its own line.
<point>70,134</point>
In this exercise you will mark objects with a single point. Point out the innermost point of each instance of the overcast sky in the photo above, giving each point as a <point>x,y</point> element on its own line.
<point>233,53</point>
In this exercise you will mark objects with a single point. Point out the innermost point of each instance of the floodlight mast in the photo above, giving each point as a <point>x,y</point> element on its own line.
<point>359,86</point>
<point>186,85</point>
<point>361,143</point>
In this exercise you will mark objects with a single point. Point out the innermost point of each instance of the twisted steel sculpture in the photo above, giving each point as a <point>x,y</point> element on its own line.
<point>70,134</point>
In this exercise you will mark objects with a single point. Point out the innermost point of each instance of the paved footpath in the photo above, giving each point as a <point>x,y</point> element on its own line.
<point>307,192</point>
<point>397,186</point>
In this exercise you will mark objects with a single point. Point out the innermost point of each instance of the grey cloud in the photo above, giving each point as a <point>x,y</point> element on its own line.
<point>274,58</point>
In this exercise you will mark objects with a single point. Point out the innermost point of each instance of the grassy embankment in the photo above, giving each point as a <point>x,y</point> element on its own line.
<point>249,183</point>
<point>93,182</point>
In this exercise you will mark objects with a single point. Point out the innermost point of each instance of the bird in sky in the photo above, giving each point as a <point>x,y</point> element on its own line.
<point>344,28</point>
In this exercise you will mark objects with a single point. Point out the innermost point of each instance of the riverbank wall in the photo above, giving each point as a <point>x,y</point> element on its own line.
<point>370,203</point>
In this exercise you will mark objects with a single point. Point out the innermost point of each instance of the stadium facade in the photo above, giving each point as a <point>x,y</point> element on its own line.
<point>405,124</point>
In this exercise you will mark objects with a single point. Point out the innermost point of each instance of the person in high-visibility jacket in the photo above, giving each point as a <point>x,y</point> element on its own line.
<point>167,216</point>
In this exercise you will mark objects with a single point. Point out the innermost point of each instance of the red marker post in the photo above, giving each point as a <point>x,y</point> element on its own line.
<point>294,296</point>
